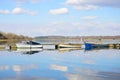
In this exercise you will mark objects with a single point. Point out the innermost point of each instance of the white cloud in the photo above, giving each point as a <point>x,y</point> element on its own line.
<point>28,1</point>
<point>74,2</point>
<point>85,7</point>
<point>86,28</point>
<point>23,11</point>
<point>33,13</point>
<point>4,11</point>
<point>89,17</point>
<point>58,11</point>
<point>35,1</point>
<point>92,4</point>
<point>19,1</point>
<point>83,28</point>
<point>18,10</point>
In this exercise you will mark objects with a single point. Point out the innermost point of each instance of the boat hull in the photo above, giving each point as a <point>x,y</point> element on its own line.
<point>69,46</point>
<point>28,46</point>
<point>28,50</point>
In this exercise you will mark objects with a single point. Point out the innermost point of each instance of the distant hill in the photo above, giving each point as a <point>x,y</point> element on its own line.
<point>85,37</point>
<point>76,39</point>
<point>49,37</point>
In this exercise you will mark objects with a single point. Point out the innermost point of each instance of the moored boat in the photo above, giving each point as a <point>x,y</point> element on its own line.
<point>29,44</point>
<point>89,46</point>
<point>69,46</point>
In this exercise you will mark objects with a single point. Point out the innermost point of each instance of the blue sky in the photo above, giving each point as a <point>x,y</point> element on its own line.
<point>60,17</point>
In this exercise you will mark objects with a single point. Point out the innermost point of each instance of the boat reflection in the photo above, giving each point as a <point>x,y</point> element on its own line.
<point>29,51</point>
<point>48,48</point>
<point>90,49</point>
<point>68,49</point>
<point>2,47</point>
<point>25,51</point>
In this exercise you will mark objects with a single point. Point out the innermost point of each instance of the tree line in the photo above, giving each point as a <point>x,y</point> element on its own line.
<point>10,37</point>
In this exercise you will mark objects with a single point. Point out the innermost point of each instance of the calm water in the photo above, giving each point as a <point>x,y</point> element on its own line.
<point>60,65</point>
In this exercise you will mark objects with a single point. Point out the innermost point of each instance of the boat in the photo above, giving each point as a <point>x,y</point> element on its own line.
<point>29,44</point>
<point>68,46</point>
<point>89,46</point>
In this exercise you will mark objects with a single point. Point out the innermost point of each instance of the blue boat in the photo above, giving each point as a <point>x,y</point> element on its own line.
<point>89,46</point>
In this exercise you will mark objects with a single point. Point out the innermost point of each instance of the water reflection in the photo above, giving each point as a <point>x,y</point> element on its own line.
<point>26,78</point>
<point>62,50</point>
<point>58,67</point>
<point>2,47</point>
<point>18,68</point>
<point>4,67</point>
<point>29,51</point>
<point>50,64</point>
<point>87,74</point>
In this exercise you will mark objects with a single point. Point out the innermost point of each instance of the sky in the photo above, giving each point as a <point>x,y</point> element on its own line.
<point>60,17</point>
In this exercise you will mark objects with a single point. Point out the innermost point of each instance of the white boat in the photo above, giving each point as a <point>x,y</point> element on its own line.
<point>28,44</point>
<point>28,50</point>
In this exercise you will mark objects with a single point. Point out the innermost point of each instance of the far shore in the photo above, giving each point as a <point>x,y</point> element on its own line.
<point>11,41</point>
